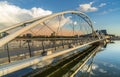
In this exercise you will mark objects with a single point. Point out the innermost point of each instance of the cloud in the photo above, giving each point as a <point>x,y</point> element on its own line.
<point>75,22</point>
<point>102,4</point>
<point>94,22</point>
<point>113,9</point>
<point>94,67</point>
<point>87,7</point>
<point>12,14</point>
<point>56,22</point>
<point>109,10</point>
<point>104,12</point>
<point>102,71</point>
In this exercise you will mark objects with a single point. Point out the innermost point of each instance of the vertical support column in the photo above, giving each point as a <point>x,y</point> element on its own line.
<point>79,41</point>
<point>62,43</point>
<point>20,44</point>
<point>8,52</point>
<point>50,45</point>
<point>43,46</point>
<point>29,48</point>
<point>58,44</point>
<point>53,35</point>
<point>69,44</point>
<point>32,42</point>
<point>28,41</point>
<point>54,43</point>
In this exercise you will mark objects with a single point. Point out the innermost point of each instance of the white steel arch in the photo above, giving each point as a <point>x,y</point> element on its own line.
<point>37,21</point>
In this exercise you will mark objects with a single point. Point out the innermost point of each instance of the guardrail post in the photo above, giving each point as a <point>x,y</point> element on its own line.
<point>8,52</point>
<point>62,43</point>
<point>29,48</point>
<point>43,46</point>
<point>20,44</point>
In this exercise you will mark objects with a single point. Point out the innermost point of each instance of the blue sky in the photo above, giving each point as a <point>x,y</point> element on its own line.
<point>105,14</point>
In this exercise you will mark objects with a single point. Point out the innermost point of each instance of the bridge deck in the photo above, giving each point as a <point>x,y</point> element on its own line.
<point>61,68</point>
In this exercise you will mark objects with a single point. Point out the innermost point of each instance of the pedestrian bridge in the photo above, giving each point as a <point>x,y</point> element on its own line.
<point>49,37</point>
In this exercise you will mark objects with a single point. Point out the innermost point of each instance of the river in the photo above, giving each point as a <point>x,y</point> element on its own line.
<point>106,63</point>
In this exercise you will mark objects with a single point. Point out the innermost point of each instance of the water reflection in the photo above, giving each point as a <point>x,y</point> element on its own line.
<point>106,63</point>
<point>86,70</point>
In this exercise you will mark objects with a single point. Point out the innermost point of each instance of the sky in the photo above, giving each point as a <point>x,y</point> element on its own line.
<point>105,14</point>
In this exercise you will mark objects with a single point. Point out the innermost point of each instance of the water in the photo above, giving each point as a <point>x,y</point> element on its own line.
<point>106,62</point>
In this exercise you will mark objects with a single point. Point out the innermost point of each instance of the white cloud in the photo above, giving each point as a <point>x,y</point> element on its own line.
<point>75,22</point>
<point>104,12</point>
<point>87,7</point>
<point>94,67</point>
<point>109,10</point>
<point>102,4</point>
<point>12,14</point>
<point>94,22</point>
<point>58,22</point>
<point>102,71</point>
<point>36,12</point>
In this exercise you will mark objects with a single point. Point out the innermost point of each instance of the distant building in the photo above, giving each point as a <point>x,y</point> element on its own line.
<point>28,35</point>
<point>52,34</point>
<point>104,32</point>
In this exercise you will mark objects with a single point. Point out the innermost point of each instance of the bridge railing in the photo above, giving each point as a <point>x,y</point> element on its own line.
<point>20,49</point>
